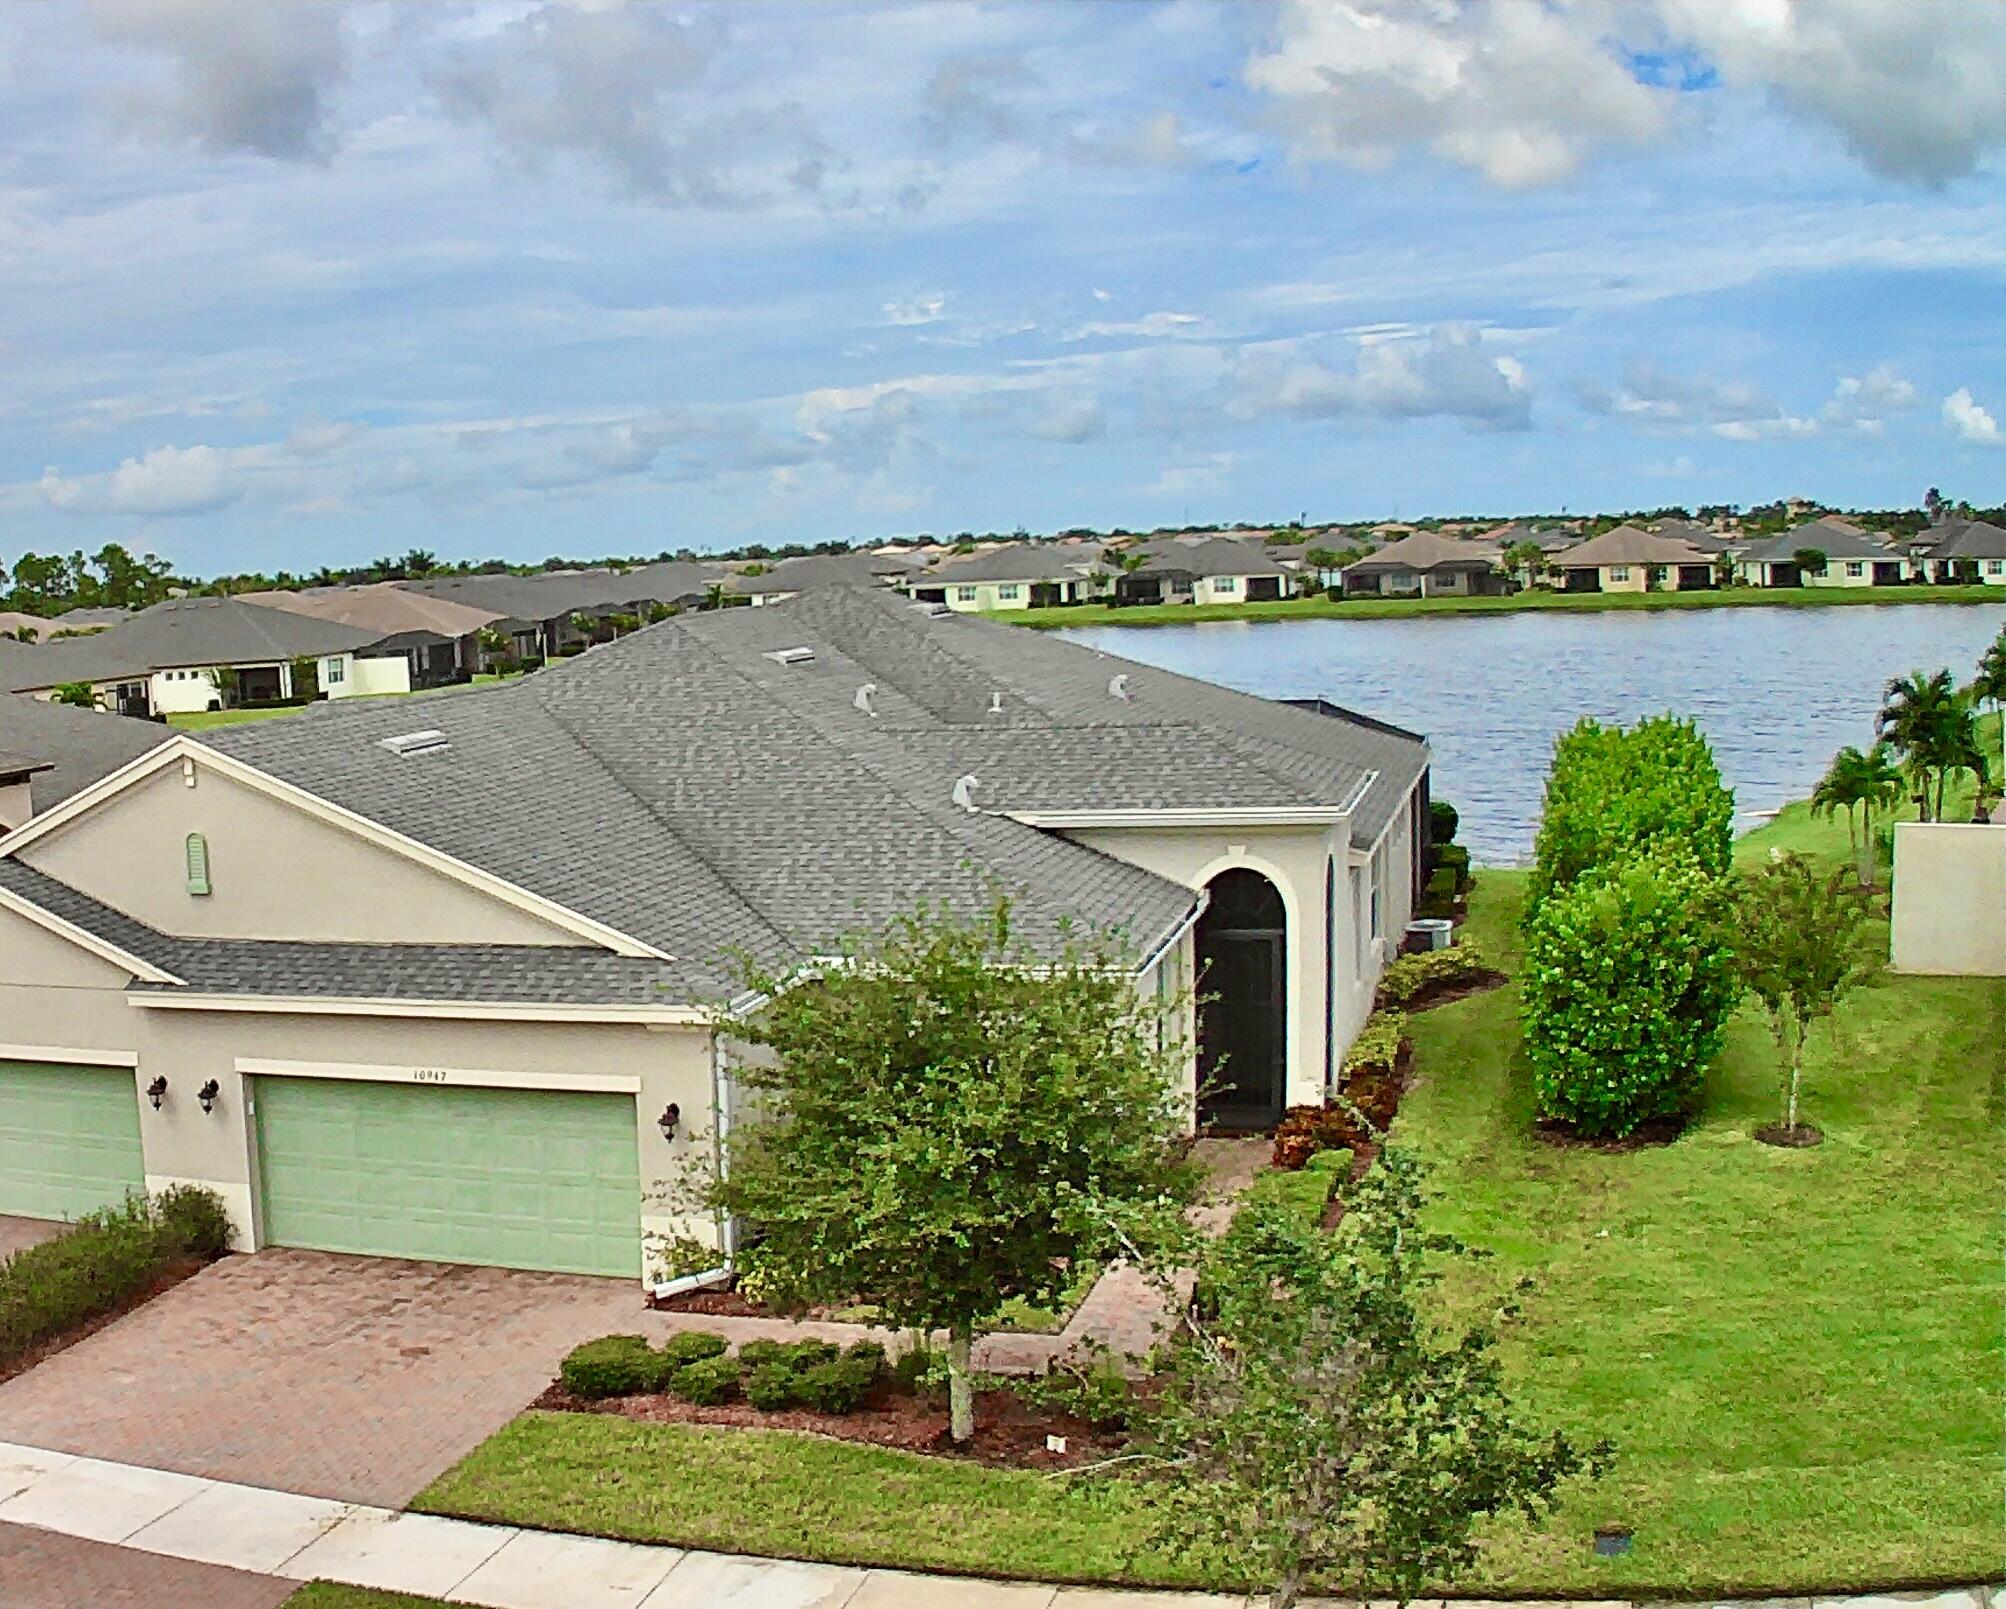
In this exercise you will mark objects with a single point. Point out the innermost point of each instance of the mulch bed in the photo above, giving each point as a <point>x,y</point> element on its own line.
<point>1563,1136</point>
<point>712,1303</point>
<point>166,1278</point>
<point>1799,1138</point>
<point>1440,994</point>
<point>1009,1432</point>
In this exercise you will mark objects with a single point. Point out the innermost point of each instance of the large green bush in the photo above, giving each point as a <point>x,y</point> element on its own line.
<point>1628,982</point>
<point>1613,793</point>
<point>102,1260</point>
<point>613,1366</point>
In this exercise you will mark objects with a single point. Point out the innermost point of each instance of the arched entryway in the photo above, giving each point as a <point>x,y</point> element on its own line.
<point>1242,1006</point>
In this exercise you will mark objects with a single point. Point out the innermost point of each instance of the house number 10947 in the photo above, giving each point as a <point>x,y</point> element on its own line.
<point>428,1075</point>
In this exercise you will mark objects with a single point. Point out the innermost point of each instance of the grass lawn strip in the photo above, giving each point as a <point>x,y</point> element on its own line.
<point>334,1595</point>
<point>1322,608</point>
<point>1798,1353</point>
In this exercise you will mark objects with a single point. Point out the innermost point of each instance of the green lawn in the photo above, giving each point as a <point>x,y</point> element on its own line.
<point>200,720</point>
<point>332,1595</point>
<point>1321,608</point>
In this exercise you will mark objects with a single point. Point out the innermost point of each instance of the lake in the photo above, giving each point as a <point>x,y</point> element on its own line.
<point>1775,690</point>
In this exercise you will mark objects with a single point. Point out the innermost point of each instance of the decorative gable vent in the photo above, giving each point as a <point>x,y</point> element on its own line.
<point>195,853</point>
<point>415,743</point>
<point>790,656</point>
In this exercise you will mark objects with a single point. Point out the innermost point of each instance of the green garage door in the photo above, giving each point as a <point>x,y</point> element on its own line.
<point>510,1177</point>
<point>69,1138</point>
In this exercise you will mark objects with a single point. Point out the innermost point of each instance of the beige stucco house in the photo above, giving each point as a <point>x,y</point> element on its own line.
<point>1426,565</point>
<point>1629,558</point>
<point>1845,556</point>
<point>289,960</point>
<point>1016,575</point>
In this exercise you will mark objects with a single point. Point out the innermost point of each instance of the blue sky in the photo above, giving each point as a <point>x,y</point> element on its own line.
<point>284,285</point>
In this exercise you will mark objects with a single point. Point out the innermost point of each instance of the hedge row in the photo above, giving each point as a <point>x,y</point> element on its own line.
<point>102,1260</point>
<point>693,1365</point>
<point>1407,976</point>
<point>1629,976</point>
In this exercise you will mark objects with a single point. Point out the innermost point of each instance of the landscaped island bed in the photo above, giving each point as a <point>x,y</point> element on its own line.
<point>1322,608</point>
<point>1797,1353</point>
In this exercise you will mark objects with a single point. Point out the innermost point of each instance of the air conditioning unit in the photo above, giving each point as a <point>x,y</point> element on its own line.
<point>1431,933</point>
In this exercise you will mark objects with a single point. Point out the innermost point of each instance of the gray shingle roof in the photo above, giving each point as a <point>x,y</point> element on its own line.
<point>682,787</point>
<point>1219,555</point>
<point>80,745</point>
<point>1973,539</point>
<point>185,632</point>
<point>1018,561</point>
<point>1629,544</point>
<point>1425,550</point>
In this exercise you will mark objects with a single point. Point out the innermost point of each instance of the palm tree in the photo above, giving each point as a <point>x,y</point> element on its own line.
<point>1989,686</point>
<point>1858,784</point>
<point>1932,727</point>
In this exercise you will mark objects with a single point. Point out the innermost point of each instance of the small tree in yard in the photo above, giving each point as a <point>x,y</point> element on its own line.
<point>1320,1429</point>
<point>1806,944</point>
<point>952,1119</point>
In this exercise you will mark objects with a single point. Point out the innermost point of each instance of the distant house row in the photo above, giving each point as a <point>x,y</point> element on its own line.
<point>190,655</point>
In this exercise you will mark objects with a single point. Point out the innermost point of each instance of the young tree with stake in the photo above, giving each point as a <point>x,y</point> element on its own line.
<point>952,1118</point>
<point>1805,944</point>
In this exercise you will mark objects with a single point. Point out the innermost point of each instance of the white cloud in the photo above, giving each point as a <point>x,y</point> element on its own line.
<point>1524,91</point>
<point>1863,402</point>
<point>1204,472</point>
<point>167,481</point>
<point>1972,423</point>
<point>316,438</point>
<point>1658,402</point>
<point>1152,326</point>
<point>244,77</point>
<point>1071,420</point>
<point>1917,91</point>
<point>926,307</point>
<point>1678,468</point>
<point>1519,90</point>
<point>1444,371</point>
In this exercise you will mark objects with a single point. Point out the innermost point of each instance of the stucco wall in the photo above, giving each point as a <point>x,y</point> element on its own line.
<point>16,804</point>
<point>363,677</point>
<point>1294,859</point>
<point>1950,899</point>
<point>182,692</point>
<point>55,997</point>
<point>275,872</point>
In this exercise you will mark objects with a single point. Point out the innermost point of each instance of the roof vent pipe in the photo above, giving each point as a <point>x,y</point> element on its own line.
<point>1117,686</point>
<point>995,703</point>
<point>863,699</point>
<point>964,793</point>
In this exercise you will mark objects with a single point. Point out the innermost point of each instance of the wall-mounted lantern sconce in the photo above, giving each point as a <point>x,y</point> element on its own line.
<point>156,1092</point>
<point>672,1115</point>
<point>207,1095</point>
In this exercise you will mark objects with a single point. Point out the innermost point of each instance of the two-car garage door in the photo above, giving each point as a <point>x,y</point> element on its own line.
<point>517,1178</point>
<point>69,1138</point>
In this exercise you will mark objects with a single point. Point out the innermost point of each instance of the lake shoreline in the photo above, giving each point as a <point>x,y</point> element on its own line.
<point>1320,608</point>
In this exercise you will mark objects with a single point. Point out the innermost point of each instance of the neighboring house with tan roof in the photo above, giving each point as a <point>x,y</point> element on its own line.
<point>1629,558</point>
<point>437,639</point>
<point>1016,575</point>
<point>1426,565</point>
<point>1846,556</point>
<point>1210,569</point>
<point>498,1032</point>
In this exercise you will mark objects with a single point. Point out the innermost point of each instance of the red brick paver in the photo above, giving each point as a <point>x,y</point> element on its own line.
<point>18,1234</point>
<point>348,1377</point>
<point>47,1570</point>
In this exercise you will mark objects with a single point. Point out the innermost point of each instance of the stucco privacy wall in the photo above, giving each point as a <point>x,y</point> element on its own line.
<point>55,997</point>
<point>1949,899</point>
<point>276,872</point>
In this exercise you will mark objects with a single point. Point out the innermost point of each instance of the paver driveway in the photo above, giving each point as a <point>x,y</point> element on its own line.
<point>356,1378</point>
<point>47,1570</point>
<point>18,1234</point>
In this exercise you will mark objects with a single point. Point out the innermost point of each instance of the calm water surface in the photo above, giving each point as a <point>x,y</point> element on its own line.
<point>1776,690</point>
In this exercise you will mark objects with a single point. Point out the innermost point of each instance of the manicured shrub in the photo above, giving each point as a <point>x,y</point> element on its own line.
<point>1611,794</point>
<point>1628,983</point>
<point>192,1222</point>
<point>799,1355</point>
<point>837,1386</point>
<point>102,1260</point>
<point>866,1350</point>
<point>692,1346</point>
<point>1378,1042</point>
<point>1439,897</point>
<point>755,1354</point>
<point>771,1386</point>
<point>1409,975</point>
<point>612,1366</point>
<point>912,1365</point>
<point>1455,859</point>
<point>1442,823</point>
<point>707,1381</point>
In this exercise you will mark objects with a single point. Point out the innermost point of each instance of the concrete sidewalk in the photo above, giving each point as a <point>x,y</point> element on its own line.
<point>280,1535</point>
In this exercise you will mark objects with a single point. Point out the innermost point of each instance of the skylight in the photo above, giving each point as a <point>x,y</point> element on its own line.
<point>790,656</point>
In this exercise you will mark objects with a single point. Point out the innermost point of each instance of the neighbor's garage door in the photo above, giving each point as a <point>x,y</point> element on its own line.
<point>69,1138</point>
<point>513,1178</point>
